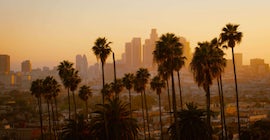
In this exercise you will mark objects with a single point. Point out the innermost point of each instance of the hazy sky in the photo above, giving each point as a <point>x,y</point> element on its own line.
<point>49,31</point>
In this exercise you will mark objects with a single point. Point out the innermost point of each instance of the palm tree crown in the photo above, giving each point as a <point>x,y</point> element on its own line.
<point>102,49</point>
<point>230,35</point>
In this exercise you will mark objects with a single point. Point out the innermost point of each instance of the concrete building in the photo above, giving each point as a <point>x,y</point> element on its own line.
<point>148,48</point>
<point>82,66</point>
<point>238,57</point>
<point>258,66</point>
<point>4,64</point>
<point>186,50</point>
<point>136,51</point>
<point>26,66</point>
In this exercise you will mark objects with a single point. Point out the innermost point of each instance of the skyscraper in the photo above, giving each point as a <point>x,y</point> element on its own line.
<point>4,64</point>
<point>128,54</point>
<point>148,48</point>
<point>136,52</point>
<point>26,66</point>
<point>82,66</point>
<point>238,60</point>
<point>186,50</point>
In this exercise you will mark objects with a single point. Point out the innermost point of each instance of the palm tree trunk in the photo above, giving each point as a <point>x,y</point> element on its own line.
<point>224,117</point>
<point>130,103</point>
<point>68,105</point>
<point>174,106</point>
<point>143,117</point>
<point>53,120</point>
<point>169,101</point>
<point>56,114</point>
<point>160,120</point>
<point>103,101</point>
<point>208,116</point>
<point>147,116</point>
<point>237,99</point>
<point>86,109</point>
<point>75,107</point>
<point>40,116</point>
<point>180,90</point>
<point>48,105</point>
<point>221,111</point>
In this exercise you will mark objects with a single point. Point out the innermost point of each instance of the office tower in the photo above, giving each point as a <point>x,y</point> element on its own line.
<point>258,66</point>
<point>186,50</point>
<point>136,52</point>
<point>148,48</point>
<point>128,54</point>
<point>26,66</point>
<point>4,64</point>
<point>82,66</point>
<point>238,58</point>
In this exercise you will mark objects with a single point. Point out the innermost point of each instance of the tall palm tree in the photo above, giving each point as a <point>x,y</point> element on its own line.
<point>37,90</point>
<point>162,71</point>
<point>157,84</point>
<point>107,91</point>
<point>120,125</point>
<point>191,124</point>
<point>207,63</point>
<point>75,80</point>
<point>102,50</point>
<point>180,62</point>
<point>231,36</point>
<point>141,79</point>
<point>84,93</point>
<point>168,51</point>
<point>128,80</point>
<point>48,86</point>
<point>64,69</point>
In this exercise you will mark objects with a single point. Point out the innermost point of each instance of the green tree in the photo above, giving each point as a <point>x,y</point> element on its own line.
<point>207,63</point>
<point>128,80</point>
<point>191,124</point>
<point>141,79</point>
<point>84,93</point>
<point>230,37</point>
<point>36,90</point>
<point>120,125</point>
<point>168,52</point>
<point>157,84</point>
<point>64,70</point>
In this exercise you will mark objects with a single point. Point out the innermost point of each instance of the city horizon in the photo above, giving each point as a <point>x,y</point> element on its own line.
<point>47,32</point>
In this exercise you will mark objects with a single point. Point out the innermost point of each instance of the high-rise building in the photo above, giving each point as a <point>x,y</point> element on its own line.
<point>238,58</point>
<point>82,66</point>
<point>4,64</point>
<point>148,48</point>
<point>258,66</point>
<point>186,50</point>
<point>136,52</point>
<point>26,66</point>
<point>128,54</point>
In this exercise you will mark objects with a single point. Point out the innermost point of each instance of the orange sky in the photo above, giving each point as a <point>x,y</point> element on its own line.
<point>49,31</point>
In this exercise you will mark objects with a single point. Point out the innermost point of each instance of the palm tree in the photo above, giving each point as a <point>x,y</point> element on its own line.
<point>117,87</point>
<point>128,80</point>
<point>74,82</point>
<point>120,125</point>
<point>180,62</point>
<point>168,52</point>
<point>36,90</point>
<point>102,50</point>
<point>55,91</point>
<point>191,124</point>
<point>64,70</point>
<point>162,71</point>
<point>157,84</point>
<point>84,93</point>
<point>48,91</point>
<point>141,79</point>
<point>107,91</point>
<point>230,36</point>
<point>207,63</point>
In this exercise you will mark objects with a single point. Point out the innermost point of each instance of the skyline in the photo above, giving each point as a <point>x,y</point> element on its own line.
<point>47,32</point>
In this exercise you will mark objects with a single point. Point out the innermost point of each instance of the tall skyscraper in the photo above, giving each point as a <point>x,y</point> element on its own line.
<point>82,66</point>
<point>136,51</point>
<point>148,48</point>
<point>26,66</point>
<point>186,50</point>
<point>128,54</point>
<point>4,64</point>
